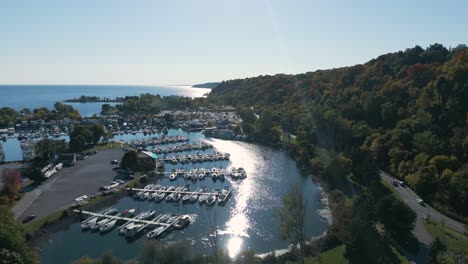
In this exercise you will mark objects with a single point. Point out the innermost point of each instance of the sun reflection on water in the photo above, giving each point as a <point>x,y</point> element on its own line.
<point>234,246</point>
<point>239,222</point>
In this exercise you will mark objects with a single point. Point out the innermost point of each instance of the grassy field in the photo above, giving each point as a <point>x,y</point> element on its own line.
<point>32,227</point>
<point>107,146</point>
<point>453,239</point>
<point>335,255</point>
<point>395,193</point>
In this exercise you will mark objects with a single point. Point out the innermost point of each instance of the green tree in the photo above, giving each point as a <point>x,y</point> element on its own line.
<point>34,174</point>
<point>292,216</point>
<point>129,160</point>
<point>49,149</point>
<point>12,238</point>
<point>12,183</point>
<point>77,143</point>
<point>436,248</point>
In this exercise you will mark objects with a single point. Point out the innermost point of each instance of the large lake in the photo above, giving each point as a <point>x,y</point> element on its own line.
<point>246,221</point>
<point>34,96</point>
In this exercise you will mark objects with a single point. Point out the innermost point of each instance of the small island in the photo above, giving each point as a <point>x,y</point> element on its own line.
<point>95,99</point>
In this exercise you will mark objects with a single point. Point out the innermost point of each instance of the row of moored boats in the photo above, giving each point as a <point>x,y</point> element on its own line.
<point>174,194</point>
<point>199,157</point>
<point>182,147</point>
<point>133,225</point>
<point>214,173</point>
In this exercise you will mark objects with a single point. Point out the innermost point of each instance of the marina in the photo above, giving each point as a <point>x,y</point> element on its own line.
<point>184,159</point>
<point>131,227</point>
<point>157,141</point>
<point>244,221</point>
<point>158,193</point>
<point>202,173</point>
<point>182,147</point>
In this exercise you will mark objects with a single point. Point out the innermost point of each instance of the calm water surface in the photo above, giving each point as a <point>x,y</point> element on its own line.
<point>246,221</point>
<point>34,96</point>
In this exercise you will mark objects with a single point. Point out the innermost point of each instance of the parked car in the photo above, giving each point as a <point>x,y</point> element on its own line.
<point>402,184</point>
<point>420,201</point>
<point>394,183</point>
<point>28,218</point>
<point>114,162</point>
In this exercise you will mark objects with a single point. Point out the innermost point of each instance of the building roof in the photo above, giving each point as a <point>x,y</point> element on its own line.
<point>150,154</point>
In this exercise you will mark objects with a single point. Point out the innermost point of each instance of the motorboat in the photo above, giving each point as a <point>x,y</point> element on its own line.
<point>156,232</point>
<point>146,215</point>
<point>159,197</point>
<point>144,196</point>
<point>124,229</point>
<point>170,197</point>
<point>108,226</point>
<point>128,212</point>
<point>88,223</point>
<point>211,200</point>
<point>177,197</point>
<point>133,230</point>
<point>172,177</point>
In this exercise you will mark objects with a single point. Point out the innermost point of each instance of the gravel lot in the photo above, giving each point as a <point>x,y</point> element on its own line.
<point>60,191</point>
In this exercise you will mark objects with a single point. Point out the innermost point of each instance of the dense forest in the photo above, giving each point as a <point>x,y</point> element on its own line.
<point>407,109</point>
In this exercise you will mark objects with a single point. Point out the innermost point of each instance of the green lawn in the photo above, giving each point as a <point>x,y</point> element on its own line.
<point>32,227</point>
<point>108,146</point>
<point>336,255</point>
<point>331,256</point>
<point>395,192</point>
<point>453,239</point>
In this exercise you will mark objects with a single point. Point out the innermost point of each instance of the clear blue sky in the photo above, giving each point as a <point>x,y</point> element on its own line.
<point>187,42</point>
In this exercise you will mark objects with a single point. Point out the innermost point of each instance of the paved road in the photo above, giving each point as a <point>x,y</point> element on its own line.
<point>409,196</point>
<point>69,183</point>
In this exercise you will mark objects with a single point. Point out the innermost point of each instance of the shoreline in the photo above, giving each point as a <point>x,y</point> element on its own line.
<point>44,234</point>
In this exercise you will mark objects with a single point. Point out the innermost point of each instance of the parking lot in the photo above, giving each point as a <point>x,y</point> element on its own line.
<point>60,190</point>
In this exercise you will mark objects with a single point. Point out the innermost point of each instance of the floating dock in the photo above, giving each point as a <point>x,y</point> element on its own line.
<point>121,218</point>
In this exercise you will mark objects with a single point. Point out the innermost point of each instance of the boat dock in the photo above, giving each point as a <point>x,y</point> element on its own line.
<point>127,219</point>
<point>132,226</point>
<point>174,191</point>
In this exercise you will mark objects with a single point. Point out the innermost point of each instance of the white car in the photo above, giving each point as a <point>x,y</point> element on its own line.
<point>419,201</point>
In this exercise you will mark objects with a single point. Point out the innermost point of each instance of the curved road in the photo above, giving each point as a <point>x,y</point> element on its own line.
<point>409,196</point>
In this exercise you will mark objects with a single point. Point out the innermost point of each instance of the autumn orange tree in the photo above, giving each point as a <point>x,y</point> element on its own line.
<point>12,183</point>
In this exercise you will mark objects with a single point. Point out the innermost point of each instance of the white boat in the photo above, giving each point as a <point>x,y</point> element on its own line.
<point>164,218</point>
<point>124,229</point>
<point>146,215</point>
<point>170,188</point>
<point>201,176</point>
<point>211,200</point>
<point>108,226</point>
<point>177,197</point>
<point>133,230</point>
<point>87,224</point>
<point>203,198</point>
<point>100,223</point>
<point>159,197</point>
<point>152,196</point>
<point>172,177</point>
<point>156,232</point>
<point>144,196</point>
<point>170,197</point>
